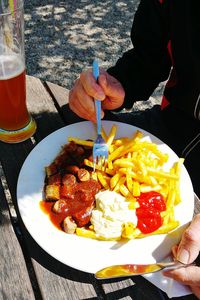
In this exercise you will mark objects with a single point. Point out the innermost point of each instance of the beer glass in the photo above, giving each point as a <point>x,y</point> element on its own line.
<point>16,124</point>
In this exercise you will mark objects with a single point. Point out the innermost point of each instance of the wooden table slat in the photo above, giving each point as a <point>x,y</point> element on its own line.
<point>41,106</point>
<point>62,286</point>
<point>13,275</point>
<point>60,94</point>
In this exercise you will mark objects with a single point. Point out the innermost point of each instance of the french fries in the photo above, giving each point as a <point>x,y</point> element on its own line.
<point>80,142</point>
<point>80,231</point>
<point>136,166</point>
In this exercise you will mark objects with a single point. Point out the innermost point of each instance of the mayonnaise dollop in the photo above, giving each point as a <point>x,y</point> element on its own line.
<point>110,214</point>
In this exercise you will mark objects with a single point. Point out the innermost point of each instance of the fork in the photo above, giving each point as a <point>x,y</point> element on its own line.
<point>100,148</point>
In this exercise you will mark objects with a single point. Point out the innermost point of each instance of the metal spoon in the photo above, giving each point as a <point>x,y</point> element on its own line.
<point>132,269</point>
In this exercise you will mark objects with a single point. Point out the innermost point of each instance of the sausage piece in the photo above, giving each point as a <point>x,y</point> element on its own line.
<point>83,175</point>
<point>72,169</point>
<point>69,225</point>
<point>69,180</point>
<point>59,206</point>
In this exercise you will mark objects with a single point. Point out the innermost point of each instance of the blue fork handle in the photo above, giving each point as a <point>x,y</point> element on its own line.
<point>98,115</point>
<point>95,71</point>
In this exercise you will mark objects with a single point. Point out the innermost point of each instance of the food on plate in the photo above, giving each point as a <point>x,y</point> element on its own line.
<point>70,188</point>
<point>110,214</point>
<point>133,195</point>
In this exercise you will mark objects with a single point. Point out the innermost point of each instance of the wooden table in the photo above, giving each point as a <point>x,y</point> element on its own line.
<point>26,270</point>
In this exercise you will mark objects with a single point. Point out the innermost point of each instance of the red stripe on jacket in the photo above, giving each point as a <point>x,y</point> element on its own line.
<point>172,79</point>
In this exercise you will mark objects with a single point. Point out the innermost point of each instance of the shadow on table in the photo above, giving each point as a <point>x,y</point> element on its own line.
<point>140,290</point>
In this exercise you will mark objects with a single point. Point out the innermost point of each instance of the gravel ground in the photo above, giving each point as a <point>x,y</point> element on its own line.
<point>63,37</point>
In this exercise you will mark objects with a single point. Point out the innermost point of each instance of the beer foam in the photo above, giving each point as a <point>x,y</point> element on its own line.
<point>10,66</point>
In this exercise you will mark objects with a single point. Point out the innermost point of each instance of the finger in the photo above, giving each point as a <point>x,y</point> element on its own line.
<point>186,275</point>
<point>81,103</point>
<point>111,86</point>
<point>113,90</point>
<point>90,85</point>
<point>77,110</point>
<point>189,246</point>
<point>174,250</point>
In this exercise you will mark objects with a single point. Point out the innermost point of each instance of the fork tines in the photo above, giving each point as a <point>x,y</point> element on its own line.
<point>100,152</point>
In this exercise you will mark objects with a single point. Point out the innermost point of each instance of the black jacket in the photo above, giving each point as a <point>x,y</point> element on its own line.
<point>166,39</point>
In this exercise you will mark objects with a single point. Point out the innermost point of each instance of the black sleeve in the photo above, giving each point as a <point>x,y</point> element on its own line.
<point>142,68</point>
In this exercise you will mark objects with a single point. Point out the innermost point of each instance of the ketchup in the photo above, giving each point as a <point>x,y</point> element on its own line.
<point>148,214</point>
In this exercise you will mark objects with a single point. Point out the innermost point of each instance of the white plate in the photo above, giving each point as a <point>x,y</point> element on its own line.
<point>78,252</point>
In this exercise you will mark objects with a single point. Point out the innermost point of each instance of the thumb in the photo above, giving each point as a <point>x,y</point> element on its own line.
<point>189,246</point>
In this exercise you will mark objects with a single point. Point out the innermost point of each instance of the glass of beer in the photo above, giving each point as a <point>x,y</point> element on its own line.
<point>16,123</point>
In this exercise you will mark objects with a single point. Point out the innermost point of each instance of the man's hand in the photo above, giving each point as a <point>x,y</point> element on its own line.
<point>186,252</point>
<point>108,89</point>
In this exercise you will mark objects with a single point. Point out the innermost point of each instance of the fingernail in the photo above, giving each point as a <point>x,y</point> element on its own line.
<point>103,80</point>
<point>183,256</point>
<point>100,95</point>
